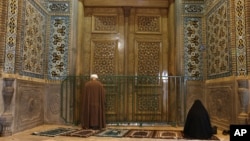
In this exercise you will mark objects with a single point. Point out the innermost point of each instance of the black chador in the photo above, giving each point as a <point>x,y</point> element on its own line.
<point>198,125</point>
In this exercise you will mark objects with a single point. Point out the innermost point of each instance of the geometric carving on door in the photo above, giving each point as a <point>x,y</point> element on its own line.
<point>148,103</point>
<point>148,59</point>
<point>148,24</point>
<point>112,103</point>
<point>103,56</point>
<point>105,23</point>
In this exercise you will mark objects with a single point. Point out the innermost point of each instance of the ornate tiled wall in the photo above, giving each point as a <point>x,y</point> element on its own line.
<point>11,36</point>
<point>218,47</point>
<point>58,47</point>
<point>241,39</point>
<point>219,44</point>
<point>226,39</point>
<point>223,44</point>
<point>33,47</point>
<point>247,7</point>
<point>226,52</point>
<point>3,8</point>
<point>35,43</point>
<point>44,38</point>
<point>44,53</point>
<point>193,44</point>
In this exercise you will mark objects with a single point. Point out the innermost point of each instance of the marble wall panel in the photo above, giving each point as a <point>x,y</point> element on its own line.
<point>195,90</point>
<point>29,105</point>
<point>219,97</point>
<point>52,104</point>
<point>1,97</point>
<point>222,102</point>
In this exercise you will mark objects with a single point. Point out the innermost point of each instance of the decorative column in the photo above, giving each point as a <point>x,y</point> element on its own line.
<point>6,118</point>
<point>243,93</point>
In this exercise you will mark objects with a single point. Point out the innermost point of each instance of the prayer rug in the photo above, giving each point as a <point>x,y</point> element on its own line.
<point>113,133</point>
<point>213,138</point>
<point>54,132</point>
<point>140,133</point>
<point>161,134</point>
<point>132,133</point>
<point>84,133</point>
<point>168,134</point>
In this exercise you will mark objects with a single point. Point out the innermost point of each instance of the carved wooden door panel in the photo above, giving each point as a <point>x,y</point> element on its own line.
<point>147,49</point>
<point>103,49</point>
<point>130,45</point>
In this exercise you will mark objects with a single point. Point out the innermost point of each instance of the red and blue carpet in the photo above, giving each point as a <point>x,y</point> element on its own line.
<point>128,133</point>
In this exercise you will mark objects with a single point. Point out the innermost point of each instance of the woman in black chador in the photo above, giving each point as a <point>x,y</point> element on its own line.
<point>197,125</point>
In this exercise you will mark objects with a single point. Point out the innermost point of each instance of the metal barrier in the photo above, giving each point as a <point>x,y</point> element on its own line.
<point>130,99</point>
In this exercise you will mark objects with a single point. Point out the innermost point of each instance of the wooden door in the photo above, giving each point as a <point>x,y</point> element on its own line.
<point>128,49</point>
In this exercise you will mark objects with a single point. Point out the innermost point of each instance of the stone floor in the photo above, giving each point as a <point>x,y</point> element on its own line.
<point>26,135</point>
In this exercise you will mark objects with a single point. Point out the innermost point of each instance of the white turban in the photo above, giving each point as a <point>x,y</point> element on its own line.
<point>94,76</point>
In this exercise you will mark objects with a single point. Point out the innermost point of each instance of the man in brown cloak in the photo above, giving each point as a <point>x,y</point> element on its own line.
<point>93,116</point>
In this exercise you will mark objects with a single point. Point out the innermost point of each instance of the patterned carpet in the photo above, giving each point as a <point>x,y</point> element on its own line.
<point>55,132</point>
<point>129,133</point>
<point>113,133</point>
